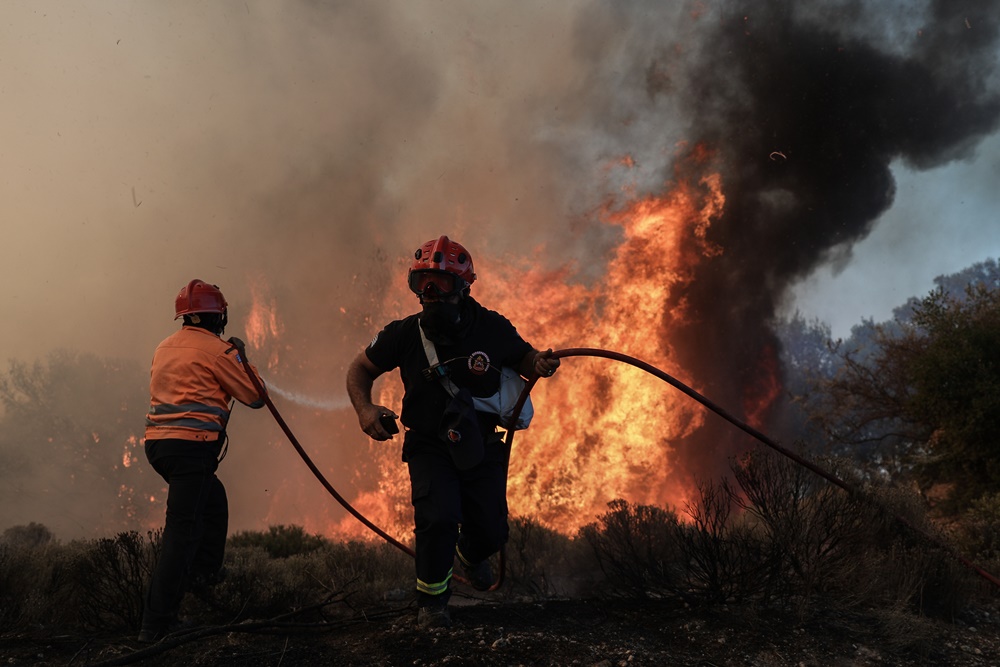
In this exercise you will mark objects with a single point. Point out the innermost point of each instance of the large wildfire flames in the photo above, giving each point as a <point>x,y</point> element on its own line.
<point>602,430</point>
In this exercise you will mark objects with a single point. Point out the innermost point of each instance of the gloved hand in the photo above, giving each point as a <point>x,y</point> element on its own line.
<point>240,346</point>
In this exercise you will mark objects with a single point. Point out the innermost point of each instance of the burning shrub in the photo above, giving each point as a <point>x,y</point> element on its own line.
<point>74,420</point>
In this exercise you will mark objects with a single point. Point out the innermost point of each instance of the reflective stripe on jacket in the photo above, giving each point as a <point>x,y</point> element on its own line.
<point>194,377</point>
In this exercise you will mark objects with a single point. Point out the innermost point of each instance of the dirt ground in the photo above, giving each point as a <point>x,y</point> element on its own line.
<point>586,633</point>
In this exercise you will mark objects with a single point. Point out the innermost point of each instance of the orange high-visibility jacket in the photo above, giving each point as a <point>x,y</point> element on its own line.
<point>195,374</point>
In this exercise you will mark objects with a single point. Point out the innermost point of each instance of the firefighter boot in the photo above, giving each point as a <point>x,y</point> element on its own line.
<point>434,616</point>
<point>479,575</point>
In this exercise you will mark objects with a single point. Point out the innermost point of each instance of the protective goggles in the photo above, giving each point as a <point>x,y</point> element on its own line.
<point>436,284</point>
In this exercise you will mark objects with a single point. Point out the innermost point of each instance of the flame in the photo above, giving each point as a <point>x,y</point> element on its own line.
<point>128,454</point>
<point>602,430</point>
<point>262,321</point>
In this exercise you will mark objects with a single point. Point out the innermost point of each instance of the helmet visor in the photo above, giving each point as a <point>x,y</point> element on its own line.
<point>435,284</point>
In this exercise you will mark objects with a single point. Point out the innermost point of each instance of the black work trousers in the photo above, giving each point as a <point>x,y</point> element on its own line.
<point>197,523</point>
<point>467,508</point>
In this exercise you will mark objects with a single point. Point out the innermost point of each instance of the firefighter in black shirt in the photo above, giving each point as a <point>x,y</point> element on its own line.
<point>449,357</point>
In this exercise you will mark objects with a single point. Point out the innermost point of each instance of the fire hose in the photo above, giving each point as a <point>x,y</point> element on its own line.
<point>642,365</point>
<point>312,466</point>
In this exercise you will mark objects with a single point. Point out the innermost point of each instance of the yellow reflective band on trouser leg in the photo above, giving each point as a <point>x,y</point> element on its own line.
<point>434,589</point>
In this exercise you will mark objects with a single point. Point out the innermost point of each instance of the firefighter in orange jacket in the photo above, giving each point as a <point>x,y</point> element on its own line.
<point>195,375</point>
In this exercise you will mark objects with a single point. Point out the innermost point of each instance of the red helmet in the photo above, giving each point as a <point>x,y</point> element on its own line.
<point>199,297</point>
<point>442,264</point>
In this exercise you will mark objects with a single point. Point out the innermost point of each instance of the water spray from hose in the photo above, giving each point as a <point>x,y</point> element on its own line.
<point>329,404</point>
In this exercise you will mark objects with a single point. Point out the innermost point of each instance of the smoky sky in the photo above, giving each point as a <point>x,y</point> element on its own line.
<point>301,150</point>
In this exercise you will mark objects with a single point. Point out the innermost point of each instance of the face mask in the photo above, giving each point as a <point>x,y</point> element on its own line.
<point>442,322</point>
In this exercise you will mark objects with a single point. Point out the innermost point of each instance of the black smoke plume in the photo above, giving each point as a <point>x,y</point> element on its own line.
<point>807,112</point>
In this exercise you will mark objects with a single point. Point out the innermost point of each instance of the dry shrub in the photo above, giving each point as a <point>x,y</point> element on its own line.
<point>84,585</point>
<point>864,548</point>
<point>33,581</point>
<point>28,536</point>
<point>637,549</point>
<point>111,576</point>
<point>542,562</point>
<point>901,562</point>
<point>260,586</point>
<point>901,632</point>
<point>648,552</point>
<point>798,540</point>
<point>367,570</point>
<point>721,557</point>
<point>806,526</point>
<point>279,541</point>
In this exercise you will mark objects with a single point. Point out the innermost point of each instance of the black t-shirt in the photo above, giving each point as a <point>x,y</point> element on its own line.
<point>475,362</point>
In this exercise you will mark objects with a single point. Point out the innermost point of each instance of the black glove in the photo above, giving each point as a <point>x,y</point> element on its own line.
<point>240,346</point>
